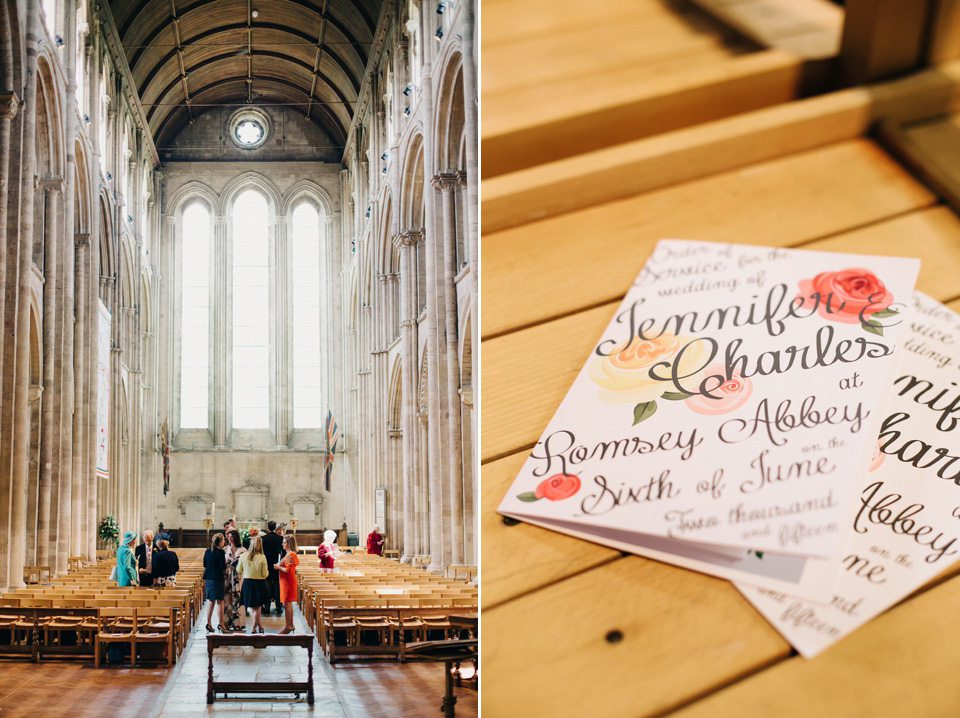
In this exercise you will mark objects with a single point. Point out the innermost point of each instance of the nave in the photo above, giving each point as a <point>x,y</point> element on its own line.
<point>357,685</point>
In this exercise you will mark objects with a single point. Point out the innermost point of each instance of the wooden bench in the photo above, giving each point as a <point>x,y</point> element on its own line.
<point>262,640</point>
<point>450,652</point>
<point>37,622</point>
<point>400,619</point>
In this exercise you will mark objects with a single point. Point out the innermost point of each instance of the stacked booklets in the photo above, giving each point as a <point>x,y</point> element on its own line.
<point>781,418</point>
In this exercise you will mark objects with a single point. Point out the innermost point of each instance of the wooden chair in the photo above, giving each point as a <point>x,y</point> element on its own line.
<point>35,574</point>
<point>155,625</point>
<point>75,563</point>
<point>116,625</point>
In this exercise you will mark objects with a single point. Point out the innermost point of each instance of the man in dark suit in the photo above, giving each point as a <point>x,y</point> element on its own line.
<point>144,554</point>
<point>272,547</point>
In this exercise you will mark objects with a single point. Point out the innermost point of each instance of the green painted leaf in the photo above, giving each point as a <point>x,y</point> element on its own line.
<point>884,313</point>
<point>873,327</point>
<point>527,496</point>
<point>675,395</point>
<point>644,411</point>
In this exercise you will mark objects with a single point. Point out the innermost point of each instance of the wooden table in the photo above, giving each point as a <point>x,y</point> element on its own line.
<point>259,640</point>
<point>572,628</point>
<point>449,652</point>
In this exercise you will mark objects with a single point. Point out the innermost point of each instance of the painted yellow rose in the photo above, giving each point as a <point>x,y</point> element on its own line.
<point>624,375</point>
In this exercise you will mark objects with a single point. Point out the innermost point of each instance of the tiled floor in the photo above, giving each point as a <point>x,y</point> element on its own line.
<point>347,690</point>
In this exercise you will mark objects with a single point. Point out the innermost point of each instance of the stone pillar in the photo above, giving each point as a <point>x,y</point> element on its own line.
<point>78,489</point>
<point>220,352</point>
<point>282,334</point>
<point>424,510</point>
<point>21,388</point>
<point>8,109</point>
<point>49,421</point>
<point>447,184</point>
<point>407,243</point>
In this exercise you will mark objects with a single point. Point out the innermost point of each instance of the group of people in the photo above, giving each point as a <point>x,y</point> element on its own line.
<point>254,573</point>
<point>147,564</point>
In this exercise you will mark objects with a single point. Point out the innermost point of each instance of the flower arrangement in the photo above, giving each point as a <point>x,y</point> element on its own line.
<point>109,531</point>
<point>244,533</point>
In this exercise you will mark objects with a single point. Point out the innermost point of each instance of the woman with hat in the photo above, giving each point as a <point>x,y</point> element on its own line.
<point>126,561</point>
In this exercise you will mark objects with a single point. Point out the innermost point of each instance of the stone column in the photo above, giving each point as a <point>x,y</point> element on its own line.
<point>21,388</point>
<point>49,421</point>
<point>220,353</point>
<point>8,109</point>
<point>407,242</point>
<point>282,334</point>
<point>424,509</point>
<point>447,184</point>
<point>78,489</point>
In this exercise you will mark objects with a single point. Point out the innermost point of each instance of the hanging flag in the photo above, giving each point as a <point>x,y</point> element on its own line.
<point>333,433</point>
<point>165,448</point>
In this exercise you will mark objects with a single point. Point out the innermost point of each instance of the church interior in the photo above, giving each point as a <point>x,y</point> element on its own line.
<point>239,283</point>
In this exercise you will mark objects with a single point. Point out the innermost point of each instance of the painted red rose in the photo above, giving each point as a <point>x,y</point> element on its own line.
<point>558,486</point>
<point>857,293</point>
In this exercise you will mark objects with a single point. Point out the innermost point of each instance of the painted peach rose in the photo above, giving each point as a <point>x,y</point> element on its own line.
<point>624,375</point>
<point>877,458</point>
<point>855,291</point>
<point>554,488</point>
<point>732,393</point>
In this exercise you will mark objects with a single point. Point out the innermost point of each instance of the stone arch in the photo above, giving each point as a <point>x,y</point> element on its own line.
<point>411,185</point>
<point>82,199</point>
<point>450,119</point>
<point>189,192</point>
<point>50,150</point>
<point>309,190</point>
<point>108,259</point>
<point>126,279</point>
<point>246,181</point>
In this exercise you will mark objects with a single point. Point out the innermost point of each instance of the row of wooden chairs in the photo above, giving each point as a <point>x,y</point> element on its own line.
<point>375,605</point>
<point>92,611</point>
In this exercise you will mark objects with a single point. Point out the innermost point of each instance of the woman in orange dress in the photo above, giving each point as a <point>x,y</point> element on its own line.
<point>287,569</point>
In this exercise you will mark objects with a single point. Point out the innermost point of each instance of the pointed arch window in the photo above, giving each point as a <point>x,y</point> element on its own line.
<point>251,312</point>
<point>306,276</point>
<point>195,318</point>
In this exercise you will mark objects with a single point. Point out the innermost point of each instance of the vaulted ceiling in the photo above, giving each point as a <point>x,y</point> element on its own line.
<point>187,56</point>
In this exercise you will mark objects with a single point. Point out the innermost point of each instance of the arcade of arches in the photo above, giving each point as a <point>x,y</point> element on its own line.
<point>227,230</point>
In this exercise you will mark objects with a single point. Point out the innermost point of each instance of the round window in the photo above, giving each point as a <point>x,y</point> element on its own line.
<point>248,128</point>
<point>249,132</point>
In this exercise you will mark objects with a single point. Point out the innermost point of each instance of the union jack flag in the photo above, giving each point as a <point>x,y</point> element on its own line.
<point>333,433</point>
<point>165,449</point>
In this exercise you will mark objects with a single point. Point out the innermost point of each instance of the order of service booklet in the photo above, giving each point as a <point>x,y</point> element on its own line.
<point>904,527</point>
<point>725,417</point>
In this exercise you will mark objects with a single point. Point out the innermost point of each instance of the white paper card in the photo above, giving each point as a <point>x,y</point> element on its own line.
<point>905,525</point>
<point>729,406</point>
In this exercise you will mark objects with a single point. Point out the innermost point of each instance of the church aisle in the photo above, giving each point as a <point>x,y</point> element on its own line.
<point>346,690</point>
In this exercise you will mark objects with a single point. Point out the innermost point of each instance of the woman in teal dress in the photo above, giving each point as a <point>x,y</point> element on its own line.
<point>126,561</point>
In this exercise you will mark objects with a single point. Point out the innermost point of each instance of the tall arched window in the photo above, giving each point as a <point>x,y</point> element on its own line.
<point>305,256</point>
<point>195,318</point>
<point>251,313</point>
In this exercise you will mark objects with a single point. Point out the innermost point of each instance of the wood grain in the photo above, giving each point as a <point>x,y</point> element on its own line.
<point>546,653</point>
<point>643,165</point>
<point>903,662</point>
<point>560,265</point>
<point>530,126</point>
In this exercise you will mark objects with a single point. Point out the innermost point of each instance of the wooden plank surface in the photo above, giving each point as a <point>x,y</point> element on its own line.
<point>631,168</point>
<point>559,265</point>
<point>532,125</point>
